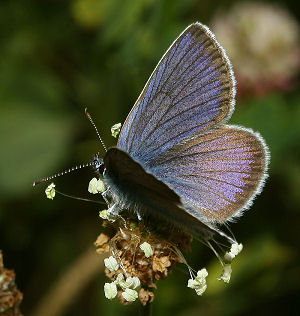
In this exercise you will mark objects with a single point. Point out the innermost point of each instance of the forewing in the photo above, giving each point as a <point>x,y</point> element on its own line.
<point>216,174</point>
<point>190,90</point>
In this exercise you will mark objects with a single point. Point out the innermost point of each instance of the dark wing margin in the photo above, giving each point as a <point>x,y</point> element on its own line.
<point>191,90</point>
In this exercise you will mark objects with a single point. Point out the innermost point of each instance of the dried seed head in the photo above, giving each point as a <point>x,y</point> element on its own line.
<point>146,296</point>
<point>137,265</point>
<point>10,296</point>
<point>102,243</point>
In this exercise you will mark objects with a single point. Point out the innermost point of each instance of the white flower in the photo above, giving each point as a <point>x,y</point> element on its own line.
<point>110,290</point>
<point>115,129</point>
<point>192,283</point>
<point>131,282</point>
<point>234,251</point>
<point>93,186</point>
<point>104,214</point>
<point>148,251</point>
<point>111,264</point>
<point>198,287</point>
<point>226,274</point>
<point>253,32</point>
<point>135,281</point>
<point>201,275</point>
<point>50,191</point>
<point>201,290</point>
<point>236,248</point>
<point>120,278</point>
<point>228,257</point>
<point>130,295</point>
<point>100,186</point>
<point>96,186</point>
<point>199,283</point>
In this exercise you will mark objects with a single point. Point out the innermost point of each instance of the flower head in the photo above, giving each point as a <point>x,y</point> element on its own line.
<point>50,191</point>
<point>110,290</point>
<point>234,251</point>
<point>119,278</point>
<point>10,296</point>
<point>115,129</point>
<point>130,295</point>
<point>105,214</point>
<point>146,247</point>
<point>262,41</point>
<point>96,186</point>
<point>226,274</point>
<point>131,282</point>
<point>141,258</point>
<point>111,264</point>
<point>199,283</point>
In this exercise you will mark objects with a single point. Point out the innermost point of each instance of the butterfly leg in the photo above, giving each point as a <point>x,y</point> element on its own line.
<point>114,211</point>
<point>139,216</point>
<point>106,196</point>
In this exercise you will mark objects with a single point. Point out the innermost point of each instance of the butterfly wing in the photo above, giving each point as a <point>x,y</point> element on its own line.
<point>175,131</point>
<point>216,174</point>
<point>191,89</point>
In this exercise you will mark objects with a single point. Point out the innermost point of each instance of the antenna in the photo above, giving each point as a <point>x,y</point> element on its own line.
<point>89,164</point>
<point>96,161</point>
<point>92,122</point>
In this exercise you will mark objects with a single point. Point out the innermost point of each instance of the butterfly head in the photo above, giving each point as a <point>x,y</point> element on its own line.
<point>98,164</point>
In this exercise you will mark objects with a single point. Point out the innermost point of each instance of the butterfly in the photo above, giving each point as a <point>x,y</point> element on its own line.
<point>176,159</point>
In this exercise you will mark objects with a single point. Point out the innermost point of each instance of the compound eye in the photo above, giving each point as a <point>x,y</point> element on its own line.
<point>98,164</point>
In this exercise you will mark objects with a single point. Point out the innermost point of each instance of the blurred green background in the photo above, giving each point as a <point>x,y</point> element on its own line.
<point>58,57</point>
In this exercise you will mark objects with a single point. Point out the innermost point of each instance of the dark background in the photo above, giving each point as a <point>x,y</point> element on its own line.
<point>58,57</point>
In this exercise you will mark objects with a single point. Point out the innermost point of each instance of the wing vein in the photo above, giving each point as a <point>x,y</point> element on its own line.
<point>173,104</point>
<point>158,91</point>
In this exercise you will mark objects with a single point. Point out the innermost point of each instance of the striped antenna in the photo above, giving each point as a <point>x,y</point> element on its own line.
<point>92,122</point>
<point>89,164</point>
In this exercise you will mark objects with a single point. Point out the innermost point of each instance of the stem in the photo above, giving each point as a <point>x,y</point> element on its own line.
<point>69,285</point>
<point>146,310</point>
<point>78,198</point>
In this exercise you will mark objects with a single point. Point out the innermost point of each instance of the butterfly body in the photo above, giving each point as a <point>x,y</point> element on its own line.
<point>176,158</point>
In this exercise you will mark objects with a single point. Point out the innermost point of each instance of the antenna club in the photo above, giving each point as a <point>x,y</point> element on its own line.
<point>38,182</point>
<point>87,114</point>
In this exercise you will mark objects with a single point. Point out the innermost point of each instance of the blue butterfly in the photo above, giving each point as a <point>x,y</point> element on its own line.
<point>176,160</point>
